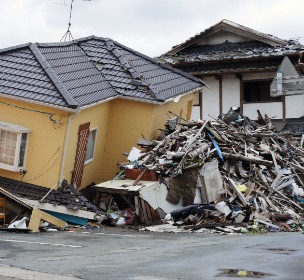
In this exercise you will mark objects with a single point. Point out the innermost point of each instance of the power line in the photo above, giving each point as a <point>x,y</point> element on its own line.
<point>43,171</point>
<point>56,123</point>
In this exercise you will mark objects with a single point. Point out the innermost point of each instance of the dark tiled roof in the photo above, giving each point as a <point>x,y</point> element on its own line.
<point>66,196</point>
<point>232,57</point>
<point>114,68</point>
<point>229,26</point>
<point>87,71</point>
<point>78,75</point>
<point>21,75</point>
<point>233,51</point>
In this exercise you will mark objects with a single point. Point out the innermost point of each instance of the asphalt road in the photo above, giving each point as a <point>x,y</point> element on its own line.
<point>127,254</point>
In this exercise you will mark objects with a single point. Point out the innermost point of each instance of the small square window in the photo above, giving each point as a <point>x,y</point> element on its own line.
<point>91,146</point>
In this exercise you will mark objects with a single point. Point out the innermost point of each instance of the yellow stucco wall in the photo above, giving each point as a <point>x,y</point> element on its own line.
<point>98,117</point>
<point>161,115</point>
<point>45,144</point>
<point>127,121</point>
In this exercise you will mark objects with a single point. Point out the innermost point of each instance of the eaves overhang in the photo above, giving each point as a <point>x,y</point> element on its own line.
<point>31,101</point>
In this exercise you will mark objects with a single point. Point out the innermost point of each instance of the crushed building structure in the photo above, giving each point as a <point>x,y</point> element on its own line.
<point>229,173</point>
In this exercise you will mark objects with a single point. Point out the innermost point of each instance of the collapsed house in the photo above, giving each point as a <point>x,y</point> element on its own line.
<point>229,173</point>
<point>68,110</point>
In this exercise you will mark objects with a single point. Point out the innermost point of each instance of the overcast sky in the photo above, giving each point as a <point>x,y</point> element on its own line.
<point>148,26</point>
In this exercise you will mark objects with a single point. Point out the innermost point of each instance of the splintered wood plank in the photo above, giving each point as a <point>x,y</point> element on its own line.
<point>138,209</point>
<point>143,211</point>
<point>238,193</point>
<point>38,216</point>
<point>153,214</point>
<point>148,209</point>
<point>247,159</point>
<point>250,187</point>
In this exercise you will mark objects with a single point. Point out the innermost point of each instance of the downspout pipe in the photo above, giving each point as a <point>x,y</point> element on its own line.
<point>65,147</point>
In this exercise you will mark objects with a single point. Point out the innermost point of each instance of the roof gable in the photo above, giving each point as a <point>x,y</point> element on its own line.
<point>228,47</point>
<point>227,31</point>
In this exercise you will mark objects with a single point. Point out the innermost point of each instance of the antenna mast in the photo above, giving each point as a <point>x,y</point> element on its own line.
<point>68,35</point>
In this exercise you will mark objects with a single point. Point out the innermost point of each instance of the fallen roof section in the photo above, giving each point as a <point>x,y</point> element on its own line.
<point>36,214</point>
<point>65,203</point>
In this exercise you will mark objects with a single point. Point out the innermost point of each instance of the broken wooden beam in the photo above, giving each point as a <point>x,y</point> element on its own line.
<point>247,159</point>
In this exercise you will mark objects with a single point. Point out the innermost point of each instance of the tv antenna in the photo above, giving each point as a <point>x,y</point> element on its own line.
<point>68,34</point>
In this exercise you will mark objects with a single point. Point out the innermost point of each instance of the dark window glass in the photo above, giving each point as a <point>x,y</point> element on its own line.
<point>22,149</point>
<point>258,91</point>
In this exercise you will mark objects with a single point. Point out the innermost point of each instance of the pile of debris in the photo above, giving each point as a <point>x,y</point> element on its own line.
<point>247,174</point>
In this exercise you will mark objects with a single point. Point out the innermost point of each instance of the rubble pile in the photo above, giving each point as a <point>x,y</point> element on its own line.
<point>247,174</point>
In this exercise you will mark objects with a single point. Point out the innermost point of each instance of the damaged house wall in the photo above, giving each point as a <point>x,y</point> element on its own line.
<point>98,117</point>
<point>127,120</point>
<point>182,108</point>
<point>274,109</point>
<point>211,98</point>
<point>231,92</point>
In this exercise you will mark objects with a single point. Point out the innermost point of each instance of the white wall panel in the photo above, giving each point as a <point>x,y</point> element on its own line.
<point>211,98</point>
<point>272,109</point>
<point>195,113</point>
<point>294,106</point>
<point>231,92</point>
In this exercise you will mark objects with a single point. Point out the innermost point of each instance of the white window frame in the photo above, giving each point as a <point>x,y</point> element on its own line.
<point>19,130</point>
<point>94,145</point>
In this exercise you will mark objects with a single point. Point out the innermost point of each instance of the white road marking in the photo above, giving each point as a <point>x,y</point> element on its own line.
<point>110,234</point>
<point>41,243</point>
